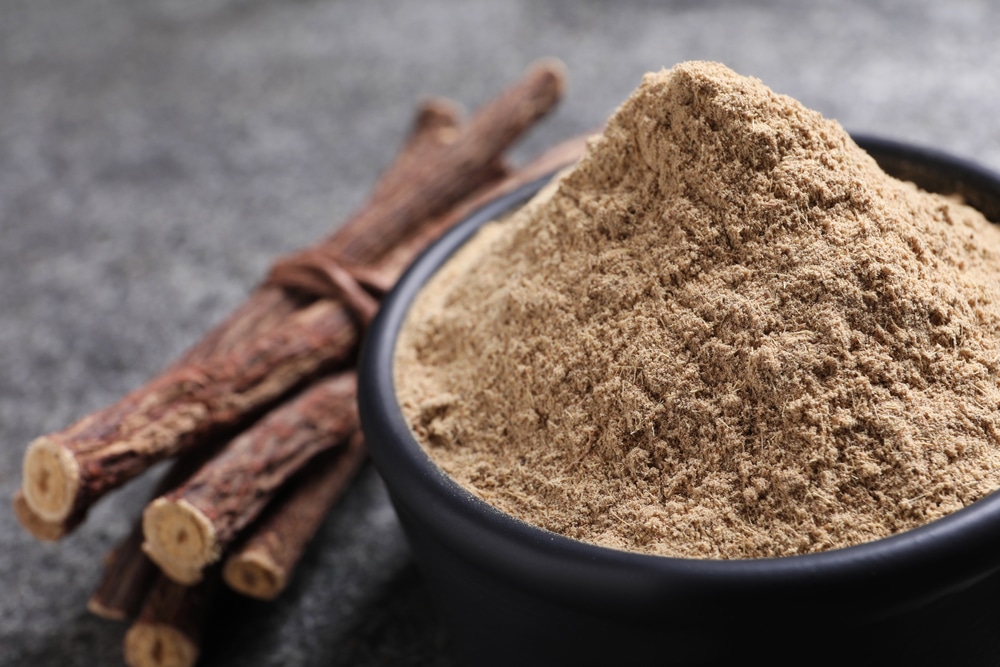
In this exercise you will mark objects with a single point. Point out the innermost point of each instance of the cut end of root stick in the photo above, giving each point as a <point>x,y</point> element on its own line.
<point>51,480</point>
<point>179,538</point>
<point>156,645</point>
<point>555,68</point>
<point>99,609</point>
<point>255,575</point>
<point>39,528</point>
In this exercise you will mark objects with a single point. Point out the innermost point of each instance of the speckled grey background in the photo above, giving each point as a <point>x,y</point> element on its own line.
<point>155,154</point>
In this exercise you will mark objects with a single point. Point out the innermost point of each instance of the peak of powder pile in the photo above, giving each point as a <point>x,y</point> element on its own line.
<point>726,333</point>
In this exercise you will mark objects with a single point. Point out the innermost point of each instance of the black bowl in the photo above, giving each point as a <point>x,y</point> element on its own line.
<point>516,594</point>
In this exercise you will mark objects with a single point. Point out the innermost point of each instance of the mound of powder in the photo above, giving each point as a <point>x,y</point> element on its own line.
<point>725,334</point>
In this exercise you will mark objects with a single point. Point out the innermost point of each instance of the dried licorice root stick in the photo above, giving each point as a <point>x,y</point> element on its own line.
<point>176,411</point>
<point>168,630</point>
<point>503,120</point>
<point>382,275</point>
<point>268,306</point>
<point>262,565</point>
<point>379,277</point>
<point>311,270</point>
<point>128,572</point>
<point>128,576</point>
<point>434,125</point>
<point>432,191</point>
<point>187,529</point>
<point>66,472</point>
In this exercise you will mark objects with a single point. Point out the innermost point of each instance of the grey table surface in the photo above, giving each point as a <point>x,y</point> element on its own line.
<point>156,154</point>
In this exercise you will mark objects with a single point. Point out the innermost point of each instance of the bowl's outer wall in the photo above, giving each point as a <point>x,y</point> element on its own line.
<point>512,592</point>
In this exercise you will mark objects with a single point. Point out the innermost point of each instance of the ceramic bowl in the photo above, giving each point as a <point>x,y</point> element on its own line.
<point>515,594</point>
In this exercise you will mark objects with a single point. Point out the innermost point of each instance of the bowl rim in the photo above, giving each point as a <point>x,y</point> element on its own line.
<point>912,567</point>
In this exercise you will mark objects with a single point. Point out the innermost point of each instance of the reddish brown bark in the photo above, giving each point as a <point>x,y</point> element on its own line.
<point>128,572</point>
<point>168,630</point>
<point>183,408</point>
<point>432,191</point>
<point>263,564</point>
<point>380,276</point>
<point>189,528</point>
<point>128,576</point>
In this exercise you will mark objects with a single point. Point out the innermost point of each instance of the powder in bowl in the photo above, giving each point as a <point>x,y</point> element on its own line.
<point>726,333</point>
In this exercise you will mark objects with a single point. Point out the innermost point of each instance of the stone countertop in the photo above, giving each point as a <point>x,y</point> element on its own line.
<point>155,155</point>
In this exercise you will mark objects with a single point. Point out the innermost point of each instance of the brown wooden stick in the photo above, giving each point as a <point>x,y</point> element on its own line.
<point>316,270</point>
<point>128,576</point>
<point>431,192</point>
<point>188,528</point>
<point>65,472</point>
<point>263,564</point>
<point>128,572</point>
<point>383,274</point>
<point>169,628</point>
<point>435,124</point>
<point>533,96</point>
<point>264,310</point>
<point>183,408</point>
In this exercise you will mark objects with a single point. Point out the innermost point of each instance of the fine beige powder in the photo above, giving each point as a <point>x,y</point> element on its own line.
<point>725,334</point>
